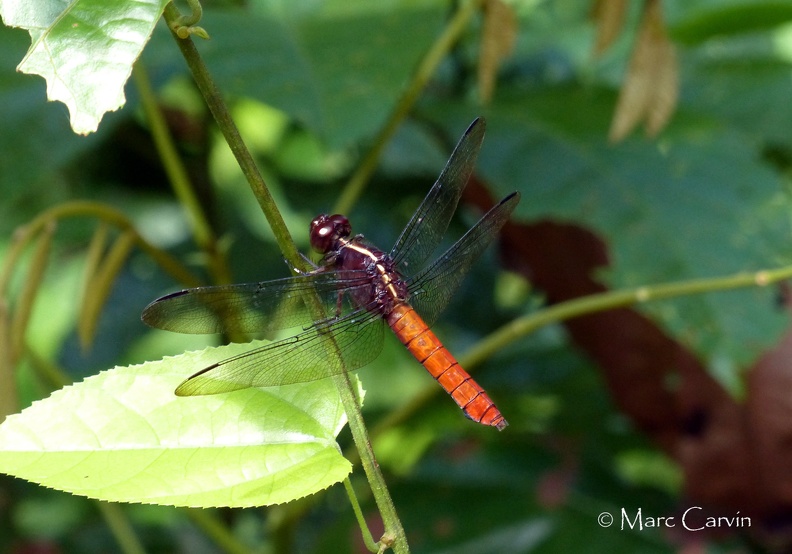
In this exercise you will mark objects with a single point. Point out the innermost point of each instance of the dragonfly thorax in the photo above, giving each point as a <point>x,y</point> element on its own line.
<point>387,287</point>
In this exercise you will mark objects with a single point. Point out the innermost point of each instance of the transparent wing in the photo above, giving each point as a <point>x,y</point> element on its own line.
<point>304,357</point>
<point>433,287</point>
<point>429,223</point>
<point>255,307</point>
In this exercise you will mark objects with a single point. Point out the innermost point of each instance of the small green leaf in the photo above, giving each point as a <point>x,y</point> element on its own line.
<point>123,435</point>
<point>84,49</point>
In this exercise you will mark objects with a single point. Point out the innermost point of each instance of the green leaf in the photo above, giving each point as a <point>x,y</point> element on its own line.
<point>697,203</point>
<point>27,162</point>
<point>696,22</point>
<point>354,72</point>
<point>84,49</point>
<point>124,436</point>
<point>341,83</point>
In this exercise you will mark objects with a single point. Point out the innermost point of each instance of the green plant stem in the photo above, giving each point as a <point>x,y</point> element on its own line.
<point>9,397</point>
<point>364,530</point>
<point>50,373</point>
<point>577,307</point>
<point>228,128</point>
<point>30,288</point>
<point>23,235</point>
<point>219,110</point>
<point>426,69</point>
<point>394,531</point>
<point>214,528</point>
<point>121,528</point>
<point>195,15</point>
<point>179,179</point>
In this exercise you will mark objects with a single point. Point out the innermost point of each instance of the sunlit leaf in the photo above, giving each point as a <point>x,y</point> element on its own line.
<point>124,436</point>
<point>84,49</point>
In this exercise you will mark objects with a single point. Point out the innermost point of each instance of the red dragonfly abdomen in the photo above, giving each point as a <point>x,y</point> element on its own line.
<point>438,361</point>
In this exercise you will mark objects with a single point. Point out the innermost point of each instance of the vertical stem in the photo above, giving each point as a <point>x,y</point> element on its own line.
<point>228,128</point>
<point>179,179</point>
<point>121,528</point>
<point>394,531</point>
<point>364,530</point>
<point>9,400</point>
<point>216,530</point>
<point>218,108</point>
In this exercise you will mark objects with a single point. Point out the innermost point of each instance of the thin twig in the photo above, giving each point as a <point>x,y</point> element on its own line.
<point>522,326</point>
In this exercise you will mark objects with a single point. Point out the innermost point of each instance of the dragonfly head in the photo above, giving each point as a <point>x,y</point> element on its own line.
<point>326,230</point>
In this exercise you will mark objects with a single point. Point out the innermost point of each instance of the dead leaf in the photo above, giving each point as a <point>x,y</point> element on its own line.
<point>609,16</point>
<point>650,88</point>
<point>497,43</point>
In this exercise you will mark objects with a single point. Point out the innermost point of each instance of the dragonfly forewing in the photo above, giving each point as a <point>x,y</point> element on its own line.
<point>428,224</point>
<point>326,349</point>
<point>255,307</point>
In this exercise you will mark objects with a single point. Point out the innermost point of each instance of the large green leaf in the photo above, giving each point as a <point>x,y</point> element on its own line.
<point>697,203</point>
<point>338,73</point>
<point>695,22</point>
<point>35,138</point>
<point>123,435</point>
<point>84,49</point>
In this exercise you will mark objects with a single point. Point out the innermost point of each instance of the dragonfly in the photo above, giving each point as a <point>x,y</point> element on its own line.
<point>343,304</point>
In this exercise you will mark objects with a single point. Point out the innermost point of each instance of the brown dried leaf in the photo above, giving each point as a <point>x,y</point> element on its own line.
<point>609,16</point>
<point>497,42</point>
<point>650,87</point>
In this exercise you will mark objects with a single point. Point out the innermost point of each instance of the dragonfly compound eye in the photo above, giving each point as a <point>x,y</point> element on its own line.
<point>326,230</point>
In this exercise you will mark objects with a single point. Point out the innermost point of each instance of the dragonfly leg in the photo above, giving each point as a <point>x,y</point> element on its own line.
<point>330,319</point>
<point>339,303</point>
<point>314,268</point>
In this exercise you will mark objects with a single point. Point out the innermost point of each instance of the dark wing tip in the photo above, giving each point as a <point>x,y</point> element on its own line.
<point>172,295</point>
<point>151,314</point>
<point>192,386</point>
<point>473,136</point>
<point>200,384</point>
<point>479,122</point>
<point>513,199</point>
<point>183,389</point>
